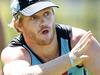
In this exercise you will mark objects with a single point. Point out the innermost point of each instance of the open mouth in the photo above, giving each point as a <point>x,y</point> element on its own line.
<point>45,31</point>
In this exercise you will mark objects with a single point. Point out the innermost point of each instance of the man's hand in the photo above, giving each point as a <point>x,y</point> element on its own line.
<point>78,53</point>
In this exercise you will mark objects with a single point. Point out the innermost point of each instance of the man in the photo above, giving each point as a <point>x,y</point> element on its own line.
<point>43,47</point>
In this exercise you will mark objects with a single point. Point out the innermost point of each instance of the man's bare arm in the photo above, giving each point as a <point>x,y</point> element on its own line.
<point>93,51</point>
<point>16,62</point>
<point>92,63</point>
<point>53,67</point>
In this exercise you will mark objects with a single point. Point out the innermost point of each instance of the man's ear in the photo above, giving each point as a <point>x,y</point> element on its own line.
<point>18,26</point>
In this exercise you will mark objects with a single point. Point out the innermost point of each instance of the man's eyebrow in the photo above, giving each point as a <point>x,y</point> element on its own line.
<point>33,15</point>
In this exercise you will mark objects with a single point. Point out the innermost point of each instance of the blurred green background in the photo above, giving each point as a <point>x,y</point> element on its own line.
<point>78,13</point>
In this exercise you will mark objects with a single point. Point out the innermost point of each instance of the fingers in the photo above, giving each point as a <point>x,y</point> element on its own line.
<point>85,36</point>
<point>83,49</point>
<point>84,46</point>
<point>83,56</point>
<point>79,51</point>
<point>84,40</point>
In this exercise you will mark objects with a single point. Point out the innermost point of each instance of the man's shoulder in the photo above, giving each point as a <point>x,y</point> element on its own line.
<point>70,32</point>
<point>77,33</point>
<point>13,53</point>
<point>69,27</point>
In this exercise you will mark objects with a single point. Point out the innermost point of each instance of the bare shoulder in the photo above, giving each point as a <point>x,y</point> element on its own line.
<point>14,53</point>
<point>77,33</point>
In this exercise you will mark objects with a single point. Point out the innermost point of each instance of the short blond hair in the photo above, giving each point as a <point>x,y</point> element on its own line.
<point>16,17</point>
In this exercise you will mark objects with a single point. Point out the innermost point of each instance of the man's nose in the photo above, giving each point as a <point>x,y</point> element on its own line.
<point>44,21</point>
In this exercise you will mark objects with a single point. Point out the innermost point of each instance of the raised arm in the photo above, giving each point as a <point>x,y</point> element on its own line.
<point>93,61</point>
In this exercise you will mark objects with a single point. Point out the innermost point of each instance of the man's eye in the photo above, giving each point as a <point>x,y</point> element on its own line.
<point>47,13</point>
<point>34,17</point>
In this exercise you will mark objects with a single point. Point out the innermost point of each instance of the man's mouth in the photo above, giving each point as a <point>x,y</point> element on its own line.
<point>45,31</point>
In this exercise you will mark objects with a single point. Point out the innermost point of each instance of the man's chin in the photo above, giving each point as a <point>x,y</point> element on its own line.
<point>45,42</point>
<point>46,39</point>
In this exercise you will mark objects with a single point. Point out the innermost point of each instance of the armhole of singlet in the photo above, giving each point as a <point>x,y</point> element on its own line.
<point>66,33</point>
<point>69,32</point>
<point>19,39</point>
<point>30,52</point>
